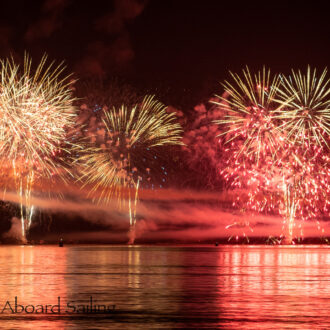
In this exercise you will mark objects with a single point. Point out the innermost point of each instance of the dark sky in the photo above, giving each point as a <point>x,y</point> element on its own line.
<point>178,48</point>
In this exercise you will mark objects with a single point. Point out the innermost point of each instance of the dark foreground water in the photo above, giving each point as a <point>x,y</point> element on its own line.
<point>155,287</point>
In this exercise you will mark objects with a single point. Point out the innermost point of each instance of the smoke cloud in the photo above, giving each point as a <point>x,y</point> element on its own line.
<point>14,234</point>
<point>168,215</point>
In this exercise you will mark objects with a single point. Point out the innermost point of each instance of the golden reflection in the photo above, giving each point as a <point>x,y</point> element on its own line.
<point>240,287</point>
<point>134,268</point>
<point>273,283</point>
<point>34,275</point>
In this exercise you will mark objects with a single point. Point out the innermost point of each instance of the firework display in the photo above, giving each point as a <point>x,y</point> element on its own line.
<point>129,139</point>
<point>35,109</point>
<point>275,144</point>
<point>266,138</point>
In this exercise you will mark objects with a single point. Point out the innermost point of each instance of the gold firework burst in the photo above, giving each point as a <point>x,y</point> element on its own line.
<point>35,111</point>
<point>306,106</point>
<point>130,134</point>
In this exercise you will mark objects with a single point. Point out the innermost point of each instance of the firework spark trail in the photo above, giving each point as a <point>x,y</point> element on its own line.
<point>276,148</point>
<point>250,140</point>
<point>36,109</point>
<point>244,225</point>
<point>130,135</point>
<point>305,122</point>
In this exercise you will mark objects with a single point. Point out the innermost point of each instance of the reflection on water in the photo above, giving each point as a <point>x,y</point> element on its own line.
<point>231,287</point>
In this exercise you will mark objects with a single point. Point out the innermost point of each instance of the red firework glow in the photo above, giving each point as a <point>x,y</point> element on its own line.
<point>275,146</point>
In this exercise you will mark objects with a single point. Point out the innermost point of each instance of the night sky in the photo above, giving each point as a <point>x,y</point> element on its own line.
<point>179,50</point>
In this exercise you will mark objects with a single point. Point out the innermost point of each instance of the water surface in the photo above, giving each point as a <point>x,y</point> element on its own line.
<point>226,287</point>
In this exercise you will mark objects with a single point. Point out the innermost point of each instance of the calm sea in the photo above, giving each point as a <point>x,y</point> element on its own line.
<point>165,287</point>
